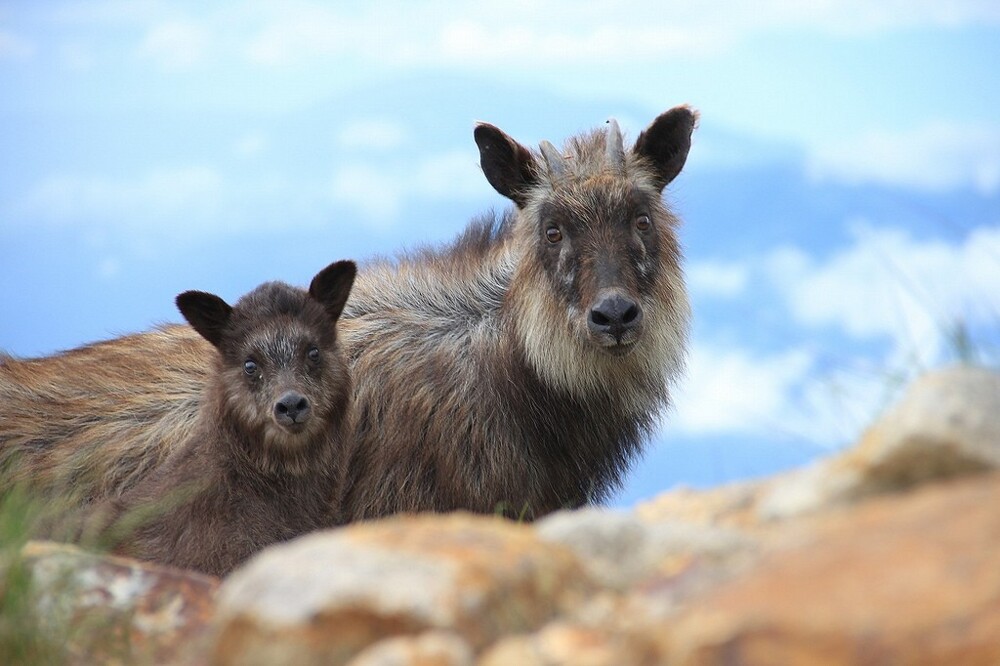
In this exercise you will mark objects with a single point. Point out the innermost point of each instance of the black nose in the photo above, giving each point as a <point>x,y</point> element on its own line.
<point>615,315</point>
<point>291,408</point>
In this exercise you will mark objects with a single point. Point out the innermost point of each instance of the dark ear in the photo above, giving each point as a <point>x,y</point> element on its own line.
<point>332,286</point>
<point>207,313</point>
<point>666,142</point>
<point>508,165</point>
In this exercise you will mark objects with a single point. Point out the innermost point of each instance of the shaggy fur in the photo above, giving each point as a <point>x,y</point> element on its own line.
<point>480,379</point>
<point>479,382</point>
<point>261,461</point>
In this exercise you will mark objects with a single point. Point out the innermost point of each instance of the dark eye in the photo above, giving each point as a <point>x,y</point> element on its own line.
<point>553,234</point>
<point>642,222</point>
<point>313,354</point>
<point>250,367</point>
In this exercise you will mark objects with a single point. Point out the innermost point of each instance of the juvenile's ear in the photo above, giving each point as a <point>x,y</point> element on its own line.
<point>508,166</point>
<point>207,313</point>
<point>666,142</point>
<point>332,286</point>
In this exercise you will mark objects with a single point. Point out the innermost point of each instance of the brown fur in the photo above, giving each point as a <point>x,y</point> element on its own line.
<point>261,461</point>
<point>479,383</point>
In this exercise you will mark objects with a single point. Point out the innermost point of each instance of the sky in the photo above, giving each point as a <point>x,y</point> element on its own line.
<point>841,202</point>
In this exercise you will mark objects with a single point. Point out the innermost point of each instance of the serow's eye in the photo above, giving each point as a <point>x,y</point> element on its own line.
<point>313,354</point>
<point>553,234</point>
<point>642,222</point>
<point>250,367</point>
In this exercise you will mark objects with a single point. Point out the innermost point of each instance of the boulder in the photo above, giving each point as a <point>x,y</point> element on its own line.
<point>112,609</point>
<point>911,579</point>
<point>946,425</point>
<point>325,597</point>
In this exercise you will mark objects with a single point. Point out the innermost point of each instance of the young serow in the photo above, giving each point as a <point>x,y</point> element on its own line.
<point>261,462</point>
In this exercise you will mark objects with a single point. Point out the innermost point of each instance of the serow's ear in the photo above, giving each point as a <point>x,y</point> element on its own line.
<point>666,142</point>
<point>332,286</point>
<point>508,166</point>
<point>207,313</point>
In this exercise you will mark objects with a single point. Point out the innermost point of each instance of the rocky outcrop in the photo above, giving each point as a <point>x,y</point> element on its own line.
<point>115,610</point>
<point>886,553</point>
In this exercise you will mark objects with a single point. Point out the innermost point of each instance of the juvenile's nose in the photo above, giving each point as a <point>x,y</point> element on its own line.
<point>291,408</point>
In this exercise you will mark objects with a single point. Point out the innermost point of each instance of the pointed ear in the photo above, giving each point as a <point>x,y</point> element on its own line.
<point>666,142</point>
<point>207,313</point>
<point>332,286</point>
<point>508,166</point>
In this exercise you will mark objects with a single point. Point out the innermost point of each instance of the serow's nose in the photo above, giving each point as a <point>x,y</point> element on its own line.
<point>291,408</point>
<point>615,315</point>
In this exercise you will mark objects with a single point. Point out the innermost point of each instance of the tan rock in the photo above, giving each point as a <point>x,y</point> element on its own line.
<point>565,644</point>
<point>946,425</point>
<point>912,579</point>
<point>619,550</point>
<point>432,648</point>
<point>326,596</point>
<point>118,610</point>
<point>731,505</point>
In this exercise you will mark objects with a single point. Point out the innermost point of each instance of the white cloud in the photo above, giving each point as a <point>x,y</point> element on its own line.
<point>380,192</point>
<point>937,157</point>
<point>186,197</point>
<point>888,284</point>
<point>14,47</point>
<point>731,390</point>
<point>370,134</point>
<point>369,190</point>
<point>716,278</point>
<point>175,44</point>
<point>251,144</point>
<point>501,34</point>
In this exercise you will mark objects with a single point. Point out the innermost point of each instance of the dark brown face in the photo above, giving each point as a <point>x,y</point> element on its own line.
<point>283,376</point>
<point>600,246</point>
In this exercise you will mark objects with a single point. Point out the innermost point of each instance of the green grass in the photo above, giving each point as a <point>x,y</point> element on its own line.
<point>41,621</point>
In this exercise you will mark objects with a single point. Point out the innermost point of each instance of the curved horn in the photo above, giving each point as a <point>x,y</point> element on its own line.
<point>553,160</point>
<point>614,147</point>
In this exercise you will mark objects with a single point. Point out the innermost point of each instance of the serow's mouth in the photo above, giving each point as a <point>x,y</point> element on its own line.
<point>292,428</point>
<point>614,346</point>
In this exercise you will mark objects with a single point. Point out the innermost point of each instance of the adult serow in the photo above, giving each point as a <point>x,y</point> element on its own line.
<point>521,369</point>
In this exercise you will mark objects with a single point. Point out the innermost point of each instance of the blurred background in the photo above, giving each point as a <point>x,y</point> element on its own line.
<point>841,200</point>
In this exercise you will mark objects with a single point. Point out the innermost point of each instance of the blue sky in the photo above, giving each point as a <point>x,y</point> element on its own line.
<point>841,201</point>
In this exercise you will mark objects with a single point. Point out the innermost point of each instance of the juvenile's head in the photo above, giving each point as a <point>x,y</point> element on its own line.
<point>598,290</point>
<point>283,381</point>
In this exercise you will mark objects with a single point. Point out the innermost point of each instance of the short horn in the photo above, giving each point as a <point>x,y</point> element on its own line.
<point>555,162</point>
<point>615,146</point>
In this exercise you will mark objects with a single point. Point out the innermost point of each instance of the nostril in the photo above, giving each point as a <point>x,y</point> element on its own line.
<point>599,318</point>
<point>302,405</point>
<point>281,408</point>
<point>630,314</point>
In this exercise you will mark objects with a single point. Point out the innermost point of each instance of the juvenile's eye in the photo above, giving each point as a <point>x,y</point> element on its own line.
<point>642,222</point>
<point>313,354</point>
<point>250,367</point>
<point>553,234</point>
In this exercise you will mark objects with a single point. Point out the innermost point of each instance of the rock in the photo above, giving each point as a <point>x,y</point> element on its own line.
<point>946,425</point>
<point>433,648</point>
<point>326,596</point>
<point>731,505</point>
<point>904,579</point>
<point>619,550</point>
<point>563,644</point>
<point>115,609</point>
